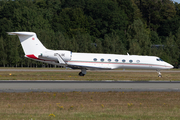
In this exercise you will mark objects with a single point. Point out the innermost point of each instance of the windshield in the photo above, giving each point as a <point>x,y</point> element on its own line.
<point>159,59</point>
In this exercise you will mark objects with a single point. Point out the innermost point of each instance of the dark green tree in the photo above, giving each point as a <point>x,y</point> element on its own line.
<point>139,40</point>
<point>3,55</point>
<point>71,21</point>
<point>108,17</point>
<point>171,53</point>
<point>154,38</point>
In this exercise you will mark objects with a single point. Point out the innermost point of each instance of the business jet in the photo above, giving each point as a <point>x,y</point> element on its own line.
<point>35,50</point>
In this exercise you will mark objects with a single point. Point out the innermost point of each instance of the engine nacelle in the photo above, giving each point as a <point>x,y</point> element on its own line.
<point>51,55</point>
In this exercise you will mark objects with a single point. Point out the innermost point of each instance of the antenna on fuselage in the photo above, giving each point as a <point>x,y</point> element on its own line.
<point>127,53</point>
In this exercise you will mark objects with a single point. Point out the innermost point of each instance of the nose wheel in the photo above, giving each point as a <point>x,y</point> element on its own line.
<point>159,74</point>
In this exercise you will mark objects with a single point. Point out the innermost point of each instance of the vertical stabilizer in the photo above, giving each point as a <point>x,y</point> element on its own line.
<point>30,43</point>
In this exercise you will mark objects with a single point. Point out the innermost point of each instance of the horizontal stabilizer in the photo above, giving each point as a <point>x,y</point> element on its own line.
<point>21,33</point>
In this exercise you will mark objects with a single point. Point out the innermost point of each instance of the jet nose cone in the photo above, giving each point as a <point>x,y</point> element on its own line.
<point>170,66</point>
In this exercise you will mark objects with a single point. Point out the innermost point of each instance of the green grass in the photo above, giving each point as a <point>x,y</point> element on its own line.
<point>90,106</point>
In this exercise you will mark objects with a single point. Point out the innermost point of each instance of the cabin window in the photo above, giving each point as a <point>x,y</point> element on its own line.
<point>130,61</point>
<point>102,60</point>
<point>123,61</point>
<point>109,60</point>
<point>138,61</point>
<point>116,60</point>
<point>95,59</point>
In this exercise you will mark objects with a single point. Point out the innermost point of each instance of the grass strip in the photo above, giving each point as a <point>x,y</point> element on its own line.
<point>90,105</point>
<point>91,75</point>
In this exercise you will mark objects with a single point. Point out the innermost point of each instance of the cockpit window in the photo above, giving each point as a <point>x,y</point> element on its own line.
<point>159,59</point>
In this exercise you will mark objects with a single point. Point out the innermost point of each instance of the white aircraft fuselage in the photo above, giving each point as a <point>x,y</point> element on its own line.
<point>34,49</point>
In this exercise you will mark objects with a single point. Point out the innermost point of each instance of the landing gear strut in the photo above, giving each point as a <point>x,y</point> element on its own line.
<point>159,74</point>
<point>83,72</point>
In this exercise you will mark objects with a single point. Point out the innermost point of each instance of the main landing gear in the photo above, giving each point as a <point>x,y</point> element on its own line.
<point>83,72</point>
<point>159,74</point>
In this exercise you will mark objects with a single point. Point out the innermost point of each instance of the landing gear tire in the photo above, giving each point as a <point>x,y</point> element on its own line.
<point>81,74</point>
<point>159,76</point>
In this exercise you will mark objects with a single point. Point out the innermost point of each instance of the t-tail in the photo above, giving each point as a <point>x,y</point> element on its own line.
<point>30,43</point>
<point>35,50</point>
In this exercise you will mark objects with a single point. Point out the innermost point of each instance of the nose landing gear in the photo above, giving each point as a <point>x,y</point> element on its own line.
<point>159,74</point>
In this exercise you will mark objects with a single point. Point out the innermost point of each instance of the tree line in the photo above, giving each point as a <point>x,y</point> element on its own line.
<point>140,27</point>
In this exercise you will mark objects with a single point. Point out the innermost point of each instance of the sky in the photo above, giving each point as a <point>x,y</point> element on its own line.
<point>178,1</point>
